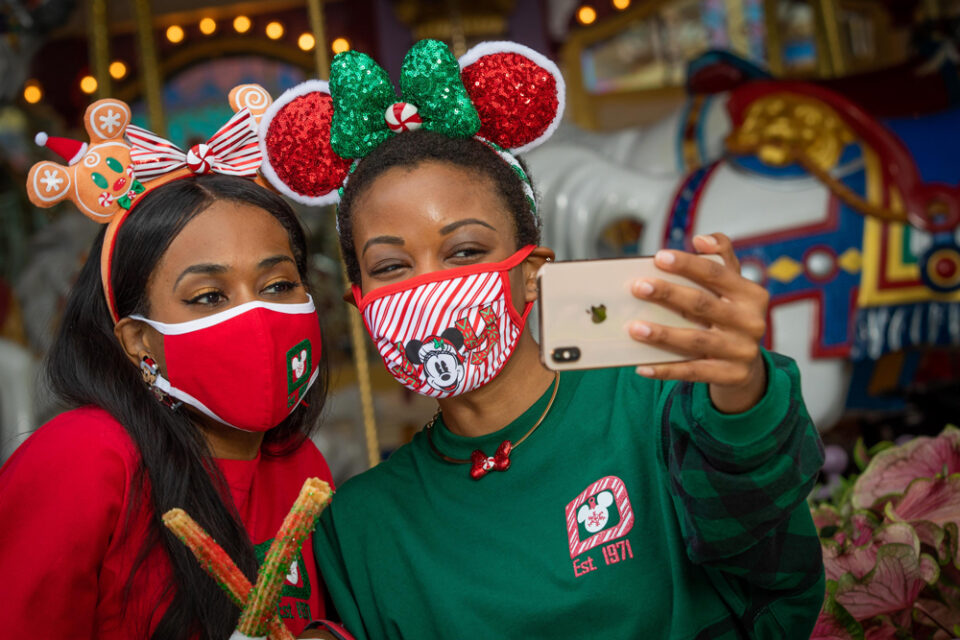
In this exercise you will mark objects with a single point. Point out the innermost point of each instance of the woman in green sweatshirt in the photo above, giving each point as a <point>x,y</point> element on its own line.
<point>651,502</point>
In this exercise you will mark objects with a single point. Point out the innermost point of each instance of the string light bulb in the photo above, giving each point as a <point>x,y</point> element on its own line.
<point>32,92</point>
<point>242,24</point>
<point>88,84</point>
<point>620,5</point>
<point>175,33</point>
<point>274,30</point>
<point>340,45</point>
<point>117,70</point>
<point>586,14</point>
<point>208,26</point>
<point>306,41</point>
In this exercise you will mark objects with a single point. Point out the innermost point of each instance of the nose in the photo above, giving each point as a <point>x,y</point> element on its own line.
<point>119,183</point>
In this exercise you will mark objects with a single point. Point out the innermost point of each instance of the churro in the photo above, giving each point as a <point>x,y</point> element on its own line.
<point>258,603</point>
<point>298,524</point>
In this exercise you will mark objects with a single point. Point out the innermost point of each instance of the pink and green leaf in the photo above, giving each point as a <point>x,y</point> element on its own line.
<point>934,499</point>
<point>836,623</point>
<point>934,537</point>
<point>893,469</point>
<point>933,613</point>
<point>882,629</point>
<point>862,525</point>
<point>892,585</point>
<point>825,515</point>
<point>860,560</point>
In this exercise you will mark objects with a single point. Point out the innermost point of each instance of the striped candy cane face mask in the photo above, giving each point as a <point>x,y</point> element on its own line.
<point>445,333</point>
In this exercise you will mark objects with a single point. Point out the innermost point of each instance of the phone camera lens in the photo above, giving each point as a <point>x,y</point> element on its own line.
<point>566,354</point>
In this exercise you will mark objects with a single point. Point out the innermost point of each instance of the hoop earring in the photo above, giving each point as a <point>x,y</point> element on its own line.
<point>150,371</point>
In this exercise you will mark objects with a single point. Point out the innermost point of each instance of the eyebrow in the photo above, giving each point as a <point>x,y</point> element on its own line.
<point>382,240</point>
<point>274,260</point>
<point>216,269</point>
<point>453,226</point>
<point>206,268</point>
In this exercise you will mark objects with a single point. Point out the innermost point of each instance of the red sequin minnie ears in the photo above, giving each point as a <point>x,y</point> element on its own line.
<point>517,93</point>
<point>295,143</point>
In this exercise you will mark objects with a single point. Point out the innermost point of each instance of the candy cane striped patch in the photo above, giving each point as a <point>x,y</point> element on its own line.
<point>622,500</point>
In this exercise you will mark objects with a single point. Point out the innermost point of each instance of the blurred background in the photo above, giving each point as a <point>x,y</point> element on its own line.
<point>820,135</point>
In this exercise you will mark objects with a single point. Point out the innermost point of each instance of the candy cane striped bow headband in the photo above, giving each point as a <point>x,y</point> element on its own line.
<point>233,150</point>
<point>503,93</point>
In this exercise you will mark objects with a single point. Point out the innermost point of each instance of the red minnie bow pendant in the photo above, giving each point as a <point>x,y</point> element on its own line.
<point>482,464</point>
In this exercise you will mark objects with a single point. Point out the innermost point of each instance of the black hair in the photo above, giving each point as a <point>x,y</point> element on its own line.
<point>88,366</point>
<point>409,150</point>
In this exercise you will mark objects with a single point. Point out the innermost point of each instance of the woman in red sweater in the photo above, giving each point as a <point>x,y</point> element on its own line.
<point>202,396</point>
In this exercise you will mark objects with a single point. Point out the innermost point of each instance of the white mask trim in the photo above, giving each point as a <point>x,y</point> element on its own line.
<point>179,328</point>
<point>164,385</point>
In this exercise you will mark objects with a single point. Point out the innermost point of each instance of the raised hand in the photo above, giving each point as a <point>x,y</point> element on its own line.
<point>733,311</point>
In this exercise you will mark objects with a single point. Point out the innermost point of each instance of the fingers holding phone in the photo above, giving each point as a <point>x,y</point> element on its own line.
<point>724,350</point>
<point>587,307</point>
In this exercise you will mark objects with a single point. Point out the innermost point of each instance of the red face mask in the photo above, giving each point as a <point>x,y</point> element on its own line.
<point>247,367</point>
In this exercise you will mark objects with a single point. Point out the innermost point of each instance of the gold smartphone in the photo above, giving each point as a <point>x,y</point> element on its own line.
<point>586,306</point>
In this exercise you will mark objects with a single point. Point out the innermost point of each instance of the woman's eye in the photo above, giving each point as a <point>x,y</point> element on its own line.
<point>386,269</point>
<point>281,286</point>
<point>207,298</point>
<point>467,253</point>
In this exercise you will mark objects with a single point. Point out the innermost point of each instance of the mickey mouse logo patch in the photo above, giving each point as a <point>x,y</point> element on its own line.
<point>602,512</point>
<point>299,370</point>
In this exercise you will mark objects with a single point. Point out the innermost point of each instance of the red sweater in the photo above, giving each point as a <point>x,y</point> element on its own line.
<point>66,550</point>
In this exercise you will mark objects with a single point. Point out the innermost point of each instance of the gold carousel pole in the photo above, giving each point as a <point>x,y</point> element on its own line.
<point>458,37</point>
<point>737,28</point>
<point>774,37</point>
<point>829,47</point>
<point>320,57</point>
<point>99,36</point>
<point>149,69</point>
<point>357,334</point>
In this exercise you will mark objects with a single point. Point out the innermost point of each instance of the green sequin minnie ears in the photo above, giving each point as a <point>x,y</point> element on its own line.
<point>503,93</point>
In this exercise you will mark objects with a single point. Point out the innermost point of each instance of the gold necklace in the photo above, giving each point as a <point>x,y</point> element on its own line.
<point>480,463</point>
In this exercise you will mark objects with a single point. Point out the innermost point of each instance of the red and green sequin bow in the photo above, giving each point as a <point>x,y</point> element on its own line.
<point>365,104</point>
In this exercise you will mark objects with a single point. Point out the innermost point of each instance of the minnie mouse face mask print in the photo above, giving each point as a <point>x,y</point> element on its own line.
<point>446,333</point>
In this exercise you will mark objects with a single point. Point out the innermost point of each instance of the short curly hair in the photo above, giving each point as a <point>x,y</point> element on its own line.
<point>412,148</point>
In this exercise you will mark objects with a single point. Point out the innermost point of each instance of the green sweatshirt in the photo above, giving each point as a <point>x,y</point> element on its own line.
<point>635,510</point>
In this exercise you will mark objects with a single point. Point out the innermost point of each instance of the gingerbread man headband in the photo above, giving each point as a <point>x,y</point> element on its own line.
<point>503,93</point>
<point>103,177</point>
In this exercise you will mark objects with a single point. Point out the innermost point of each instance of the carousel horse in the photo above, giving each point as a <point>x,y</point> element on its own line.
<point>851,223</point>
